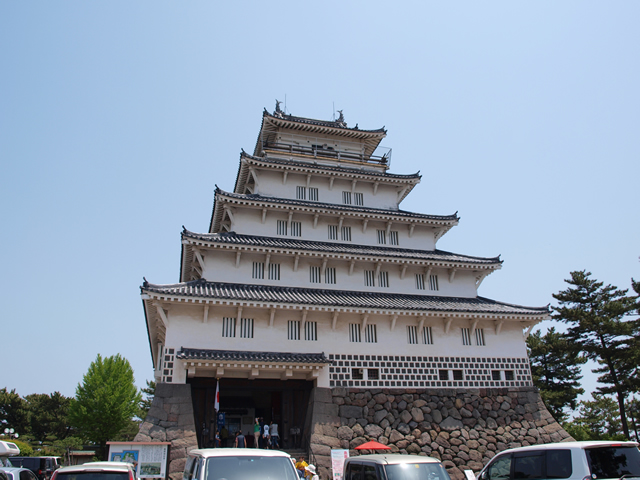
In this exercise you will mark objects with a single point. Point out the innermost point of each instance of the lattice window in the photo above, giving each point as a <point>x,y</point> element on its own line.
<point>508,375</point>
<point>301,193</point>
<point>345,234</point>
<point>371,333</point>
<point>246,328</point>
<point>495,375</point>
<point>427,336</point>
<point>314,274</point>
<point>433,282</point>
<point>311,331</point>
<point>354,333</point>
<point>167,365</point>
<point>228,327</point>
<point>296,229</point>
<point>333,232</point>
<point>282,227</point>
<point>443,374</point>
<point>330,275</point>
<point>373,373</point>
<point>293,330</point>
<point>313,194</point>
<point>412,334</point>
<point>382,237</point>
<point>457,375</point>
<point>358,199</point>
<point>420,281</point>
<point>466,336</point>
<point>383,279</point>
<point>357,373</point>
<point>346,198</point>
<point>258,270</point>
<point>480,337</point>
<point>369,278</point>
<point>274,271</point>
<point>393,238</point>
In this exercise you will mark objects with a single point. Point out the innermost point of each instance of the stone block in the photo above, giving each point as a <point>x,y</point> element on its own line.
<point>318,449</point>
<point>332,442</point>
<point>158,413</point>
<point>339,392</point>
<point>323,395</point>
<point>177,466</point>
<point>350,411</point>
<point>373,430</point>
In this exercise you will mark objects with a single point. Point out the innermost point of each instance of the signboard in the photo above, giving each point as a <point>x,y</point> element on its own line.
<point>221,422</point>
<point>337,462</point>
<point>149,458</point>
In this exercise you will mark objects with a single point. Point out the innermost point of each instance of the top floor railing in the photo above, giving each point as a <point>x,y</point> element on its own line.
<point>321,150</point>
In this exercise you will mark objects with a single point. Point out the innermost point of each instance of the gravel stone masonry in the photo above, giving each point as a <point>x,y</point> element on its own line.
<point>170,419</point>
<point>462,428</point>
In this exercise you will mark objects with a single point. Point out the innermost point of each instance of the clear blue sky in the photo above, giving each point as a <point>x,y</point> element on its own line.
<point>118,118</point>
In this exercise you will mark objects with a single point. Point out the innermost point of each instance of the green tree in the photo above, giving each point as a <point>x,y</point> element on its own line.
<point>25,449</point>
<point>106,400</point>
<point>48,416</point>
<point>14,411</point>
<point>597,325</point>
<point>145,404</point>
<point>599,418</point>
<point>555,368</point>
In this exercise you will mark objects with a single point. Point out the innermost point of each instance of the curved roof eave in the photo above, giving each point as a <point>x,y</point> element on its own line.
<point>266,296</point>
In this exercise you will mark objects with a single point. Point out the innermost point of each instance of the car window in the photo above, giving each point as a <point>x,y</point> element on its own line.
<point>369,472</point>
<point>528,466</point>
<point>249,468</point>
<point>559,464</point>
<point>500,469</point>
<point>613,462</point>
<point>354,472</point>
<point>27,475</point>
<point>417,471</point>
<point>92,476</point>
<point>188,468</point>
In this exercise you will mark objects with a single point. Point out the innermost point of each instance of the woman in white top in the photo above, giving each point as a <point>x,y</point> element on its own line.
<point>267,440</point>
<point>273,433</point>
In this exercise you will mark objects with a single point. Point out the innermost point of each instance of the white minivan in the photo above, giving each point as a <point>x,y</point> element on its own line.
<point>566,461</point>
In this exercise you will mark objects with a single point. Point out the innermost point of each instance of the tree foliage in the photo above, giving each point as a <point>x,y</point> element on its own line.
<point>598,325</point>
<point>48,416</point>
<point>106,400</point>
<point>145,404</point>
<point>14,411</point>
<point>556,371</point>
<point>597,419</point>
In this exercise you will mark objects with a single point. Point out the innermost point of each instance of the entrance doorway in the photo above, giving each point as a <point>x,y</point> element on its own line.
<point>242,401</point>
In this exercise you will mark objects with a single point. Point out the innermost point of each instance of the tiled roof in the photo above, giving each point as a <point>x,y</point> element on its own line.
<point>232,238</point>
<point>320,123</point>
<point>267,294</point>
<point>444,220</point>
<point>246,356</point>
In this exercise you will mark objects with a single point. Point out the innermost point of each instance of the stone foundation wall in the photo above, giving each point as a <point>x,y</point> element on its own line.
<point>462,428</point>
<point>170,419</point>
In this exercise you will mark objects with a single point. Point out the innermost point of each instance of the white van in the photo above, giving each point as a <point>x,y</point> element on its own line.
<point>566,461</point>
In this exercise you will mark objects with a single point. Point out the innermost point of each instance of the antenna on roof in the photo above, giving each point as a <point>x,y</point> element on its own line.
<point>333,104</point>
<point>285,103</point>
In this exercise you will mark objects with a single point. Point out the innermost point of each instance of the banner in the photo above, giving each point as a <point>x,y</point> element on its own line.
<point>337,462</point>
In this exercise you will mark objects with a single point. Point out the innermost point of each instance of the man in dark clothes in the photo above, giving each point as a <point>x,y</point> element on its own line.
<point>240,441</point>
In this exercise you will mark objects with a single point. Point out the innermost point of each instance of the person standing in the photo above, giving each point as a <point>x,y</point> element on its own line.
<point>267,437</point>
<point>256,433</point>
<point>240,440</point>
<point>311,470</point>
<point>273,431</point>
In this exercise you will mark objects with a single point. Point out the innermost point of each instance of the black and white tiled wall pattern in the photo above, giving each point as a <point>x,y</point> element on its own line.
<point>348,370</point>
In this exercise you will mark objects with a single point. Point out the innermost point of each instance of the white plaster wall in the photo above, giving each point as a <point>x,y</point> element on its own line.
<point>187,329</point>
<point>248,221</point>
<point>220,266</point>
<point>271,184</point>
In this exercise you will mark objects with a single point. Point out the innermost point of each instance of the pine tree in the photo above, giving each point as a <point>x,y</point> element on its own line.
<point>598,325</point>
<point>555,368</point>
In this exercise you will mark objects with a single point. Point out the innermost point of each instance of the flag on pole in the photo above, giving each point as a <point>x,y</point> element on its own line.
<point>216,403</point>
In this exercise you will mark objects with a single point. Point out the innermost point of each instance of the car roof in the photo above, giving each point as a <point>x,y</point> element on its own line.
<point>392,459</point>
<point>568,445</point>
<point>238,452</point>
<point>97,466</point>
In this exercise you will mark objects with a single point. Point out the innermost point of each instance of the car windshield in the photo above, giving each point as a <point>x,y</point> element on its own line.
<point>93,476</point>
<point>614,462</point>
<point>249,468</point>
<point>416,471</point>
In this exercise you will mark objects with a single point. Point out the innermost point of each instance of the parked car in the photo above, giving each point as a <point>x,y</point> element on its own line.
<point>239,464</point>
<point>43,467</point>
<point>394,467</point>
<point>13,473</point>
<point>568,460</point>
<point>96,471</point>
